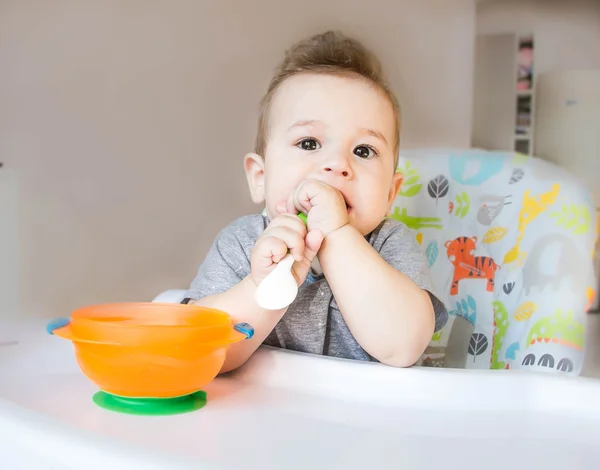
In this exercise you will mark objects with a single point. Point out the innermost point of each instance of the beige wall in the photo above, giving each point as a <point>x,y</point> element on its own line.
<point>567,32</point>
<point>125,123</point>
<point>9,241</point>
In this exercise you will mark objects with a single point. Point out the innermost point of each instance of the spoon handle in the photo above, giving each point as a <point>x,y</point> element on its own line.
<point>286,262</point>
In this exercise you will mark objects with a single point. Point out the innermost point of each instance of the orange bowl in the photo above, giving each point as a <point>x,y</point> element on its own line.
<point>150,350</point>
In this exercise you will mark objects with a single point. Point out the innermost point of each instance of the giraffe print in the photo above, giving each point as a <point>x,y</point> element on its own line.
<point>532,207</point>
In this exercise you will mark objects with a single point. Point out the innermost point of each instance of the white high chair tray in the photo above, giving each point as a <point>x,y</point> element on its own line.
<point>291,411</point>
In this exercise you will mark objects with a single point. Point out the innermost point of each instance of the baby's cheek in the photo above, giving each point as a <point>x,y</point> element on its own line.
<point>280,189</point>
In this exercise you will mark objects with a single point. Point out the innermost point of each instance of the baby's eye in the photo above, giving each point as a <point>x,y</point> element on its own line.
<point>365,151</point>
<point>308,144</point>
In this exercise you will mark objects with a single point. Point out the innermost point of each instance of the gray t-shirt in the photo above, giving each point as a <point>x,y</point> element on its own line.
<point>313,323</point>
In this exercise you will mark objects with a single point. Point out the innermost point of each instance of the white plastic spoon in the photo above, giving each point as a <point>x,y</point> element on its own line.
<point>279,288</point>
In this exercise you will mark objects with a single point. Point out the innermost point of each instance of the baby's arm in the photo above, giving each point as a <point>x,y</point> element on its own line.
<point>391,317</point>
<point>239,302</point>
<point>228,278</point>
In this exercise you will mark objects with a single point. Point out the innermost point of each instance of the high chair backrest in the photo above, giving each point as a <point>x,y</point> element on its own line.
<point>509,240</point>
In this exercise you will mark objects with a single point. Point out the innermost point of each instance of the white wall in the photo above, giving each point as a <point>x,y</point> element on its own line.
<point>567,32</point>
<point>126,123</point>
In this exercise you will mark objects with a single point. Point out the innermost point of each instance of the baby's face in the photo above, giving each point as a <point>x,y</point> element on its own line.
<point>336,130</point>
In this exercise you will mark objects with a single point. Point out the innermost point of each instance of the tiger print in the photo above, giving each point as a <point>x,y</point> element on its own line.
<point>460,252</point>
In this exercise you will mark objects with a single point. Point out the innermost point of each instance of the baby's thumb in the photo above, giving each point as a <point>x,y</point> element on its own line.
<point>313,242</point>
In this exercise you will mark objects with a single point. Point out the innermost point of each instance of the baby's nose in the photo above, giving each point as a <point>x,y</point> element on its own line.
<point>338,166</point>
<point>343,173</point>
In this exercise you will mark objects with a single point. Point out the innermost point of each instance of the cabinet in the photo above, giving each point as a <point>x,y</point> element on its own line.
<point>568,123</point>
<point>504,93</point>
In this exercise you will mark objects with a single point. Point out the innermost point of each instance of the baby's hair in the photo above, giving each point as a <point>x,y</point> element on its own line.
<point>330,53</point>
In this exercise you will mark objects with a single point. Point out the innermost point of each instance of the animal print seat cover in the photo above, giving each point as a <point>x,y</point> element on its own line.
<point>509,240</point>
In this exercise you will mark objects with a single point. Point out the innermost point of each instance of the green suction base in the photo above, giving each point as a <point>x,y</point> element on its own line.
<point>151,406</point>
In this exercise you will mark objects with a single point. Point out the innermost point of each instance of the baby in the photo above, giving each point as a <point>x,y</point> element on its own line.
<point>327,146</point>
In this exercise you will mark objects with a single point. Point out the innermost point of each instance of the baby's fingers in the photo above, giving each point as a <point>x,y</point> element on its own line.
<point>314,239</point>
<point>292,240</point>
<point>290,221</point>
<point>268,251</point>
<point>301,199</point>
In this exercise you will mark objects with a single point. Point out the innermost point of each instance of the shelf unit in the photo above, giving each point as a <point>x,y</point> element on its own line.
<point>504,93</point>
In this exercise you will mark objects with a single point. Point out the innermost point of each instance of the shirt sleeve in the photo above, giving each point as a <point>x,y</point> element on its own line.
<point>398,246</point>
<point>228,260</point>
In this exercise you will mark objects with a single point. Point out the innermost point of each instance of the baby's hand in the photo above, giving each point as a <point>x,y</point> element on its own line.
<point>324,205</point>
<point>285,232</point>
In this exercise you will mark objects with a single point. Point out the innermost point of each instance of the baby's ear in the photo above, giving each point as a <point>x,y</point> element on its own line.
<point>395,187</point>
<point>254,166</point>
